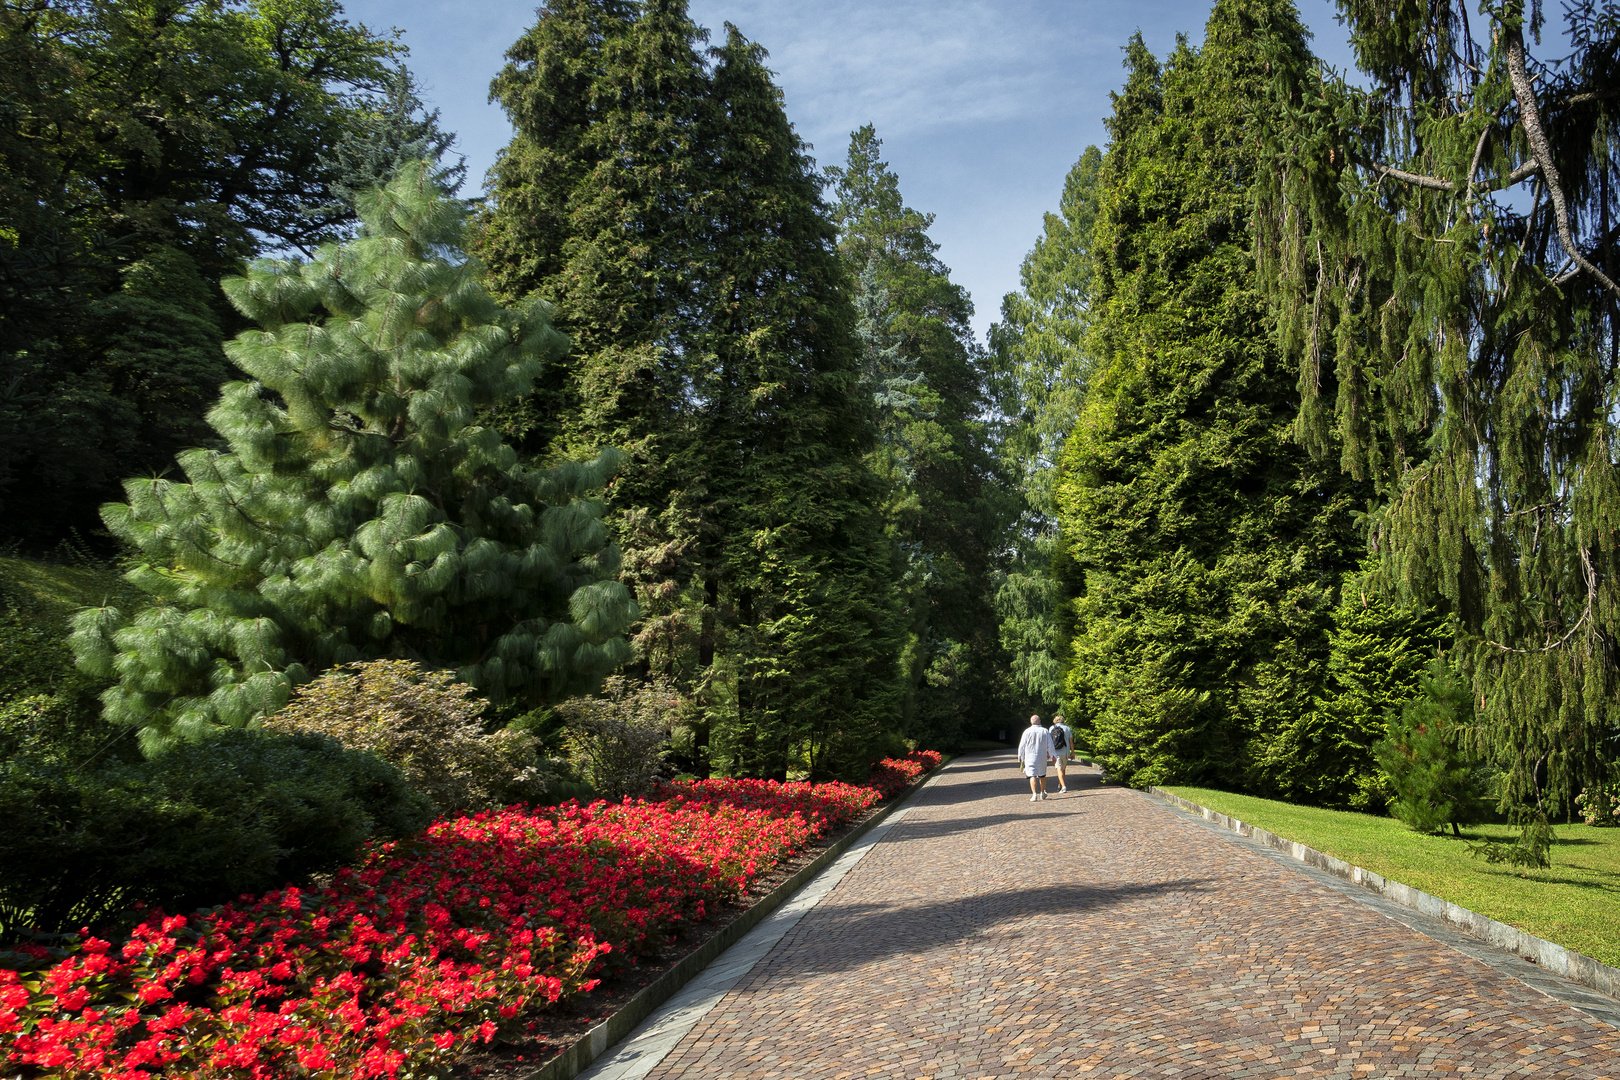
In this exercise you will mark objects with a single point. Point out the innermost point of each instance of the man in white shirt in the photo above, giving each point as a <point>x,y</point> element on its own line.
<point>1063,749</point>
<point>1034,753</point>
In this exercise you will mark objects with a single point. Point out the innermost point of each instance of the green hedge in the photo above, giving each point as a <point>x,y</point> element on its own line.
<point>240,812</point>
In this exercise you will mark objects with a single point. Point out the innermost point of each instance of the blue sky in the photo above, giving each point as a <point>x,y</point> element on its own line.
<point>982,105</point>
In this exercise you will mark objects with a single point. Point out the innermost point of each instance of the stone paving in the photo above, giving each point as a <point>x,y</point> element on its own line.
<point>1102,934</point>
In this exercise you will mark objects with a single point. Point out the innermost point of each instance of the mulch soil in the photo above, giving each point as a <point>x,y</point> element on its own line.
<point>551,1032</point>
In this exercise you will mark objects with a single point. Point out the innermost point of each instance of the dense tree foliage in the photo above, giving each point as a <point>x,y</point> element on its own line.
<point>1308,384</point>
<point>1433,783</point>
<point>1442,242</point>
<point>1325,755</point>
<point>657,195</point>
<point>947,503</point>
<point>360,509</point>
<point>1206,549</point>
<point>146,148</point>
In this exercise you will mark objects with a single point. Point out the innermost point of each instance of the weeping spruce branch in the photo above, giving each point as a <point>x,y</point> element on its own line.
<point>1440,253</point>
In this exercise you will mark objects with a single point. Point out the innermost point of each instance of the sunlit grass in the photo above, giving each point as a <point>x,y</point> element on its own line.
<point>55,591</point>
<point>1576,903</point>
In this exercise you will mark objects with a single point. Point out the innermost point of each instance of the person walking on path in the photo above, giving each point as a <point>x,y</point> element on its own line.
<point>1034,753</point>
<point>1062,749</point>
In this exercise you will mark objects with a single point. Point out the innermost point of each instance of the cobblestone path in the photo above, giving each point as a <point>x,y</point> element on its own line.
<point>1101,934</point>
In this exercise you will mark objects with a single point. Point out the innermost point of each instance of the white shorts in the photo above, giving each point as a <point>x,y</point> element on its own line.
<point>1063,757</point>
<point>1034,770</point>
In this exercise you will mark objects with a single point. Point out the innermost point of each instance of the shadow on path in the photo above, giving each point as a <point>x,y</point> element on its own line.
<point>848,936</point>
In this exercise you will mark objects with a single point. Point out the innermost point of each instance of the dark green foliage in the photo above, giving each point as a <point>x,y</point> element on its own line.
<point>657,195</point>
<point>146,148</point>
<point>946,508</point>
<point>1432,780</point>
<point>1204,548</point>
<point>1441,246</point>
<point>360,510</point>
<point>804,556</point>
<point>1377,651</point>
<point>238,812</point>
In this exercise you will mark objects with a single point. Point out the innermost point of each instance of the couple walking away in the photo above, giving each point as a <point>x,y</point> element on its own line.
<point>1042,746</point>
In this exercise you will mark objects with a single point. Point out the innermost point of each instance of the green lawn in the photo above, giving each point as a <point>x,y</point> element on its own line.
<point>1576,903</point>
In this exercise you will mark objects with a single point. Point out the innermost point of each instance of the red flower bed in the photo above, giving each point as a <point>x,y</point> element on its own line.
<point>825,807</point>
<point>893,775</point>
<point>425,947</point>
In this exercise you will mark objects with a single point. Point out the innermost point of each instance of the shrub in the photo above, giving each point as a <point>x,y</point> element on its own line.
<point>1434,783</point>
<point>1532,852</point>
<point>1599,805</point>
<point>618,741</point>
<point>238,812</point>
<point>425,723</point>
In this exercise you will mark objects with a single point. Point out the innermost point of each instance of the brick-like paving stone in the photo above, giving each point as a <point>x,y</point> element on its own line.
<point>1102,934</point>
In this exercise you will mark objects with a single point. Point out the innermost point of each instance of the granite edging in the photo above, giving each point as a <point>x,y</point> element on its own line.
<point>607,1034</point>
<point>1574,966</point>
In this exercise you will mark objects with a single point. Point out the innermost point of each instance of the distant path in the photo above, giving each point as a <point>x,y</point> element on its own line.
<point>1102,934</point>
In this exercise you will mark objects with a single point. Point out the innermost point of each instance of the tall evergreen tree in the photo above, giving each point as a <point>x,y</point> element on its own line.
<point>1206,547</point>
<point>360,510</point>
<point>1042,368</point>
<point>945,511</point>
<point>596,206</point>
<point>1443,252</point>
<point>147,147</point>
<point>657,194</point>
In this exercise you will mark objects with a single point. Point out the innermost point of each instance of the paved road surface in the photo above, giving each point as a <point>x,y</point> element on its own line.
<point>1102,934</point>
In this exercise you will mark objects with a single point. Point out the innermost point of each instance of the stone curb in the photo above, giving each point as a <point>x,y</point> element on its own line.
<point>604,1036</point>
<point>1574,966</point>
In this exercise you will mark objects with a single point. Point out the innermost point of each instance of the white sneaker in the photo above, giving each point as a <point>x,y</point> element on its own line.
<point>1043,794</point>
<point>1034,798</point>
<point>1063,791</point>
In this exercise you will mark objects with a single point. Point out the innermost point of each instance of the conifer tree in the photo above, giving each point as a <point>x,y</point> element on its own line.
<point>658,194</point>
<point>1442,247</point>
<point>1205,548</point>
<point>785,436</point>
<point>944,514</point>
<point>396,130</point>
<point>1433,781</point>
<point>1377,652</point>
<point>1042,367</point>
<point>360,511</point>
<point>596,205</point>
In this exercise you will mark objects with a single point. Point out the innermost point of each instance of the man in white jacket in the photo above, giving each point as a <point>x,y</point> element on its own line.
<point>1034,754</point>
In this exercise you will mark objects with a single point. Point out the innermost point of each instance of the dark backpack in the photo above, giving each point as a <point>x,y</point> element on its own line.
<point>1059,740</point>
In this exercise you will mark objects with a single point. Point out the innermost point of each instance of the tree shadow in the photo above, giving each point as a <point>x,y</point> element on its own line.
<point>850,935</point>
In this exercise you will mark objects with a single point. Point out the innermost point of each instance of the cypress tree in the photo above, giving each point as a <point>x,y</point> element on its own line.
<point>1441,246</point>
<point>944,514</point>
<point>1205,548</point>
<point>785,436</point>
<point>360,510</point>
<point>657,194</point>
